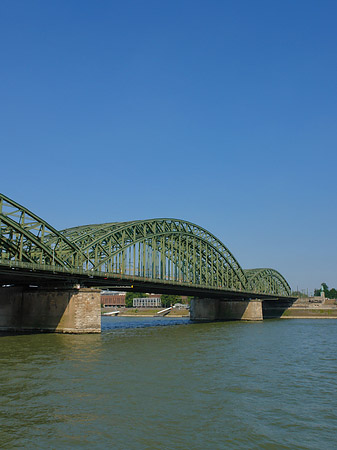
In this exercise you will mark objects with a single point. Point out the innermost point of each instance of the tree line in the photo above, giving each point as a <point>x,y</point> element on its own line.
<point>329,293</point>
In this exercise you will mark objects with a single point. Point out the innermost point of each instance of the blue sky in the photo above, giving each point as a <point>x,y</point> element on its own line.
<point>222,113</point>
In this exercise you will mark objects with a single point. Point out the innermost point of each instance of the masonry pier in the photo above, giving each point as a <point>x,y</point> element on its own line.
<point>64,310</point>
<point>210,309</point>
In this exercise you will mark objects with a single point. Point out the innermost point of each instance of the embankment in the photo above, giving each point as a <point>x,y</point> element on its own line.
<point>318,312</point>
<point>148,312</point>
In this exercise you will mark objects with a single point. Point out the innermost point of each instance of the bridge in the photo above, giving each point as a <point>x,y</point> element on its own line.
<point>156,255</point>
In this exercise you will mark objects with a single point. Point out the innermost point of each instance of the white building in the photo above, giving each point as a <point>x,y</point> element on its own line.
<point>147,302</point>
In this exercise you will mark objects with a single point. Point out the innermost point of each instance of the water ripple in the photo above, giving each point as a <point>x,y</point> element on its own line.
<point>151,384</point>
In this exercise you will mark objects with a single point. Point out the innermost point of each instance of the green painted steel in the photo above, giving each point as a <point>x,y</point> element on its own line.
<point>269,281</point>
<point>168,249</point>
<point>171,250</point>
<point>26,237</point>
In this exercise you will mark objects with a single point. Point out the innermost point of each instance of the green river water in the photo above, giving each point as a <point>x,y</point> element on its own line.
<point>160,383</point>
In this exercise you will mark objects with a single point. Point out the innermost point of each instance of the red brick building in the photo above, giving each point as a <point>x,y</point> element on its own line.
<point>109,299</point>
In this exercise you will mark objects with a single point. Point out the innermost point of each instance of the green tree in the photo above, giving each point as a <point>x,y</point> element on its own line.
<point>130,296</point>
<point>189,298</point>
<point>168,300</point>
<point>333,293</point>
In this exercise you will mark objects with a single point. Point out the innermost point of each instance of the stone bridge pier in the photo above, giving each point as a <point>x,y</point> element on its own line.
<point>64,310</point>
<point>210,309</point>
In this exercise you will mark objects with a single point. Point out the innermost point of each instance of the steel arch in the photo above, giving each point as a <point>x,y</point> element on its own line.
<point>154,249</point>
<point>267,281</point>
<point>28,238</point>
<point>170,249</point>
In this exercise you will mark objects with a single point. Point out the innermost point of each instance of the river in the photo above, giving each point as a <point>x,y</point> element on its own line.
<point>161,383</point>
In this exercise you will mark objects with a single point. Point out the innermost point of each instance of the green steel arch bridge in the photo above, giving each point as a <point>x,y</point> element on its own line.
<point>155,255</point>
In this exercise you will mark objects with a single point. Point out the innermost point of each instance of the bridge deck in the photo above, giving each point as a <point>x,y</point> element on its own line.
<point>25,274</point>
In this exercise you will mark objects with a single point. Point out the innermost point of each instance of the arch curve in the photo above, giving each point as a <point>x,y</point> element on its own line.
<point>26,237</point>
<point>267,281</point>
<point>165,249</point>
<point>171,249</point>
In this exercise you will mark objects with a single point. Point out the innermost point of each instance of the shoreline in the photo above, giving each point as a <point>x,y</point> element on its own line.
<point>308,317</point>
<point>302,312</point>
<point>305,312</point>
<point>148,313</point>
<point>168,316</point>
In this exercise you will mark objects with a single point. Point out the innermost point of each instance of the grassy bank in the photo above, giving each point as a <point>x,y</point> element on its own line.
<point>310,313</point>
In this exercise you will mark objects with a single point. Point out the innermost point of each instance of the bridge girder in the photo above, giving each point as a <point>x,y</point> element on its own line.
<point>156,249</point>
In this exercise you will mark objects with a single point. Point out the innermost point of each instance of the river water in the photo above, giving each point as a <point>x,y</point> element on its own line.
<point>162,383</point>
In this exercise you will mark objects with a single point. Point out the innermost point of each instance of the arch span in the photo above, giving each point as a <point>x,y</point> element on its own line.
<point>168,249</point>
<point>156,249</point>
<point>267,281</point>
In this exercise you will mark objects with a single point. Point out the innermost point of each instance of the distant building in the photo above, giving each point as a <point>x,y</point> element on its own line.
<point>153,295</point>
<point>110,298</point>
<point>147,302</point>
<point>180,306</point>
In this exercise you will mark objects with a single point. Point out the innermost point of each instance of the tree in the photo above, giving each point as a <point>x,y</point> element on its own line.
<point>130,296</point>
<point>333,293</point>
<point>168,300</point>
<point>189,298</point>
<point>317,292</point>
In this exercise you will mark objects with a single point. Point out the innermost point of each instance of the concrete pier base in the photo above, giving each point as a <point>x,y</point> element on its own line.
<point>209,309</point>
<point>50,310</point>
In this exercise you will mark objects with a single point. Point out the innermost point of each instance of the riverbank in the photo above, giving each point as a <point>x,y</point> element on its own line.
<point>302,311</point>
<point>311,308</point>
<point>147,312</point>
<point>310,312</point>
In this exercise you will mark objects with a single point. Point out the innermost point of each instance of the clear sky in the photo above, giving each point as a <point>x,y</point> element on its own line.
<point>222,113</point>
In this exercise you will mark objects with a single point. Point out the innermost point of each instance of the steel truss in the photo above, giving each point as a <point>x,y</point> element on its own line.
<point>159,249</point>
<point>267,280</point>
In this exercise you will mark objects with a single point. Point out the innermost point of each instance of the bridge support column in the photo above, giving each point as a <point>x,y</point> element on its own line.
<point>50,310</point>
<point>209,309</point>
